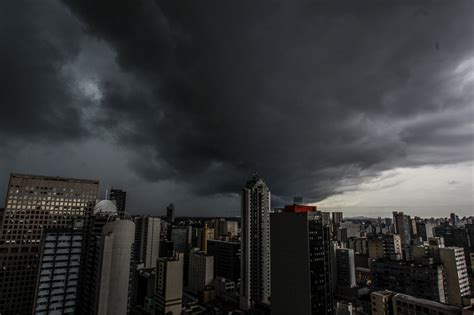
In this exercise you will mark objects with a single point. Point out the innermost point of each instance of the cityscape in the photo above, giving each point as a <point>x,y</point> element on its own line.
<point>208,157</point>
<point>65,250</point>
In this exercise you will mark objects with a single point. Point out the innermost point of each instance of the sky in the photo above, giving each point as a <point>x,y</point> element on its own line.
<point>366,106</point>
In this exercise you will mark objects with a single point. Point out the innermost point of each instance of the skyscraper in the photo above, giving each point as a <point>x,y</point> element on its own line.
<point>345,268</point>
<point>58,278</point>
<point>114,269</point>
<point>34,203</point>
<point>170,213</point>
<point>169,284</point>
<point>301,262</point>
<point>403,228</point>
<point>255,241</point>
<point>226,259</point>
<point>181,236</point>
<point>457,281</point>
<point>201,270</point>
<point>147,240</point>
<point>120,198</point>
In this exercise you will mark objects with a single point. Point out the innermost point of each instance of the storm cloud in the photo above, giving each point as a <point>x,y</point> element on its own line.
<point>313,95</point>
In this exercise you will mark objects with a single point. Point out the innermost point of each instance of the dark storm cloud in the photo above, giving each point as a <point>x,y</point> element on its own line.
<point>310,94</point>
<point>36,101</point>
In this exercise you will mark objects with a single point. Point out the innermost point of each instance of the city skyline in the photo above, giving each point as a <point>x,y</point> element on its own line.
<point>354,106</point>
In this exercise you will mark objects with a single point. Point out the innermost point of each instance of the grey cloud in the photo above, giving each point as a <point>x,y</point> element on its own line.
<point>309,94</point>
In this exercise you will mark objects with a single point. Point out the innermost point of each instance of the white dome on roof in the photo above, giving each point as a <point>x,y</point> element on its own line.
<point>105,207</point>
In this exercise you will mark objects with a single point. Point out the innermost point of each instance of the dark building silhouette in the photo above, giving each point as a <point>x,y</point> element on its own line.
<point>35,203</point>
<point>170,213</point>
<point>301,265</point>
<point>422,281</point>
<point>226,259</point>
<point>255,284</point>
<point>120,198</point>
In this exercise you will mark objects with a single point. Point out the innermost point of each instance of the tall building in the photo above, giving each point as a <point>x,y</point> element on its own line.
<point>114,269</point>
<point>169,285</point>
<point>201,270</point>
<point>255,241</point>
<point>170,213</point>
<point>181,235</point>
<point>345,268</point>
<point>147,240</point>
<point>457,281</point>
<point>34,203</point>
<point>381,302</point>
<point>301,262</point>
<point>226,259</point>
<point>204,234</point>
<point>392,303</point>
<point>58,277</point>
<point>421,281</point>
<point>454,219</point>
<point>233,228</point>
<point>337,217</point>
<point>425,230</point>
<point>120,198</point>
<point>385,245</point>
<point>104,212</point>
<point>403,227</point>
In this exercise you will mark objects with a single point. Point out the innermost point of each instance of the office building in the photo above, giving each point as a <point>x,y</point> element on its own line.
<point>337,217</point>
<point>232,228</point>
<point>104,212</point>
<point>392,303</point>
<point>326,218</point>
<point>301,262</point>
<point>425,230</point>
<point>421,281</point>
<point>201,270</point>
<point>144,287</point>
<point>255,241</point>
<point>35,203</point>
<point>457,281</point>
<point>454,219</point>
<point>345,268</point>
<point>170,213</point>
<point>181,235</point>
<point>226,259</point>
<point>360,245</point>
<point>204,234</point>
<point>169,285</point>
<point>58,278</point>
<point>385,245</point>
<point>453,236</point>
<point>114,269</point>
<point>120,198</point>
<point>406,304</point>
<point>381,302</point>
<point>402,227</point>
<point>147,240</point>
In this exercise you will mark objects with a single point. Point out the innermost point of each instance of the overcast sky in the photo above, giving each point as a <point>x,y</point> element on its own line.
<point>361,105</point>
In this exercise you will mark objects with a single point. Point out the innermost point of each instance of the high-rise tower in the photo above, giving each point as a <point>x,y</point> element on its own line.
<point>255,233</point>
<point>33,204</point>
<point>301,262</point>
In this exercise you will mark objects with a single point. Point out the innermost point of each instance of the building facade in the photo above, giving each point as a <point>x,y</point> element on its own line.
<point>169,285</point>
<point>120,198</point>
<point>301,262</point>
<point>114,270</point>
<point>35,203</point>
<point>201,270</point>
<point>255,283</point>
<point>226,259</point>
<point>58,278</point>
<point>147,240</point>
